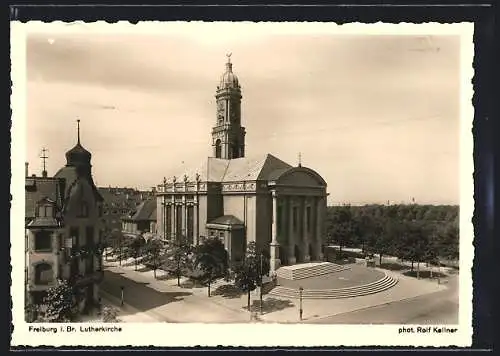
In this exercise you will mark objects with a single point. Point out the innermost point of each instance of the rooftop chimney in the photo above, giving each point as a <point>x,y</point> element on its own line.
<point>26,164</point>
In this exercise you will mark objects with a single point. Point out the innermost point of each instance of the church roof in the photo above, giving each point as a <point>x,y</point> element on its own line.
<point>37,189</point>
<point>70,175</point>
<point>227,220</point>
<point>145,211</point>
<point>263,167</point>
<point>228,78</point>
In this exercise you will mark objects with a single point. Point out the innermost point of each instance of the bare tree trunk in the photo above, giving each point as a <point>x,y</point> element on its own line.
<point>248,300</point>
<point>412,265</point>
<point>154,272</point>
<point>380,259</point>
<point>209,287</point>
<point>418,269</point>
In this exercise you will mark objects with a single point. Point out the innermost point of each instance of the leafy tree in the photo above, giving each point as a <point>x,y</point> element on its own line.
<point>178,258</point>
<point>249,272</point>
<point>117,242</point>
<point>340,226</point>
<point>30,311</point>
<point>133,248</point>
<point>212,259</point>
<point>153,252</point>
<point>110,314</point>
<point>414,244</point>
<point>388,232</point>
<point>60,301</point>
<point>448,244</point>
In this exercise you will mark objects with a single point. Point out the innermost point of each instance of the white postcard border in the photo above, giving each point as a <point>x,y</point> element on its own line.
<point>252,334</point>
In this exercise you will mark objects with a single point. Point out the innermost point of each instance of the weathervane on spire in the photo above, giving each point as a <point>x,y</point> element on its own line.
<point>78,129</point>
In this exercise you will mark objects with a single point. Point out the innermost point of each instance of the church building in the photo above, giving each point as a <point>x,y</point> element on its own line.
<point>241,199</point>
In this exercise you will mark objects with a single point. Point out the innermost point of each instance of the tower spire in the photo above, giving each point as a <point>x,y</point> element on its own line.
<point>229,65</point>
<point>300,159</point>
<point>78,129</point>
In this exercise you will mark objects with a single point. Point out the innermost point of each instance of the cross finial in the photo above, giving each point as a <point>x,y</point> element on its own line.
<point>78,129</point>
<point>300,159</point>
<point>44,157</point>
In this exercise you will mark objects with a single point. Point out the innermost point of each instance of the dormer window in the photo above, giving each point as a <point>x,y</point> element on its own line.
<point>44,211</point>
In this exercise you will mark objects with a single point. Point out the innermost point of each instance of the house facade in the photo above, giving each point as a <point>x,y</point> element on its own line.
<point>64,230</point>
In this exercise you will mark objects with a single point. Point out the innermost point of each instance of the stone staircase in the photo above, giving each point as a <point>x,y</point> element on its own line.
<point>349,292</point>
<point>307,270</point>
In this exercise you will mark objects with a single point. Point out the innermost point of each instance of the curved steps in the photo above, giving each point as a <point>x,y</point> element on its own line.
<point>308,270</point>
<point>348,292</point>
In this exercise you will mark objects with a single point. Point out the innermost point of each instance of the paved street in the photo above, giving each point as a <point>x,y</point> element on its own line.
<point>435,308</point>
<point>138,295</point>
<point>167,304</point>
<point>147,298</point>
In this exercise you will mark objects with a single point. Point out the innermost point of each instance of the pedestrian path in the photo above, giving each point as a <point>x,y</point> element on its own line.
<point>198,307</point>
<point>127,313</point>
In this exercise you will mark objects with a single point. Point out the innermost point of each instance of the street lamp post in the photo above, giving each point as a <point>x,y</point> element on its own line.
<point>300,301</point>
<point>120,242</point>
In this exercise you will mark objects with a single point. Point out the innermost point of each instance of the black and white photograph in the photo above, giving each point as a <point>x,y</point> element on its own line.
<point>269,179</point>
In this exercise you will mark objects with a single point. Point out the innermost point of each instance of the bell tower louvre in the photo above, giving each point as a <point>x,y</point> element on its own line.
<point>228,136</point>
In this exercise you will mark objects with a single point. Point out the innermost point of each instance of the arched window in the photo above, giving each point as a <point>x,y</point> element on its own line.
<point>43,241</point>
<point>218,149</point>
<point>43,273</point>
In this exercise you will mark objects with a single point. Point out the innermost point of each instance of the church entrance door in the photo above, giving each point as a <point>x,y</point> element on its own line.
<point>283,256</point>
<point>298,257</point>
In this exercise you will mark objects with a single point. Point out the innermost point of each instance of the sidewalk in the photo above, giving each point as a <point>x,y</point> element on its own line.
<point>127,313</point>
<point>199,308</point>
<point>193,308</point>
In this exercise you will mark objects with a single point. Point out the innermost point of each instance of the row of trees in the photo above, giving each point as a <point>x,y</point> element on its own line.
<point>416,233</point>
<point>204,263</point>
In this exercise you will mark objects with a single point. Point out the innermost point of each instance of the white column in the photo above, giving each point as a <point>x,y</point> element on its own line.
<point>184,216</point>
<point>305,234</point>
<point>274,246</point>
<point>318,238</point>
<point>173,224</point>
<point>195,222</point>
<point>291,234</point>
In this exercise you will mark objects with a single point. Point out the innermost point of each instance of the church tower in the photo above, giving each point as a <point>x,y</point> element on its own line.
<point>228,136</point>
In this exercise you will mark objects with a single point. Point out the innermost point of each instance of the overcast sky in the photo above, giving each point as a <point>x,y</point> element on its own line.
<point>376,116</point>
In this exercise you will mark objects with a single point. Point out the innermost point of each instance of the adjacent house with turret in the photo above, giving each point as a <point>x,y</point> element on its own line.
<point>64,229</point>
